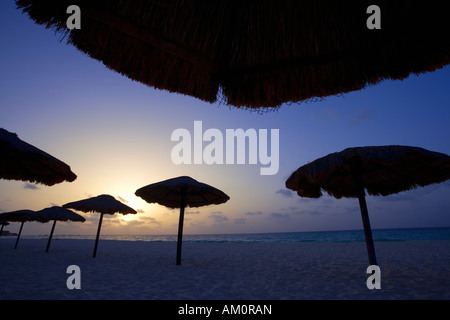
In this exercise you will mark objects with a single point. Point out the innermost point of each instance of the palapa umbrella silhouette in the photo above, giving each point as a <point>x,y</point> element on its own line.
<point>22,161</point>
<point>381,170</point>
<point>54,213</point>
<point>181,192</point>
<point>255,56</point>
<point>20,216</point>
<point>103,204</point>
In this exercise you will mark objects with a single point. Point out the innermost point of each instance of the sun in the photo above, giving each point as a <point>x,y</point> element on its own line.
<point>130,201</point>
<point>128,217</point>
<point>145,212</point>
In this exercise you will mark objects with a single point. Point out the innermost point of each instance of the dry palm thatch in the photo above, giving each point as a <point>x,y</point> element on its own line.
<point>256,54</point>
<point>58,214</point>
<point>381,170</point>
<point>18,216</point>
<point>104,203</point>
<point>181,192</point>
<point>22,161</point>
<point>384,170</point>
<point>169,192</point>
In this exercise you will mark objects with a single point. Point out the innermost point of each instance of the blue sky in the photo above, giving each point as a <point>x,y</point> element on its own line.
<point>116,136</point>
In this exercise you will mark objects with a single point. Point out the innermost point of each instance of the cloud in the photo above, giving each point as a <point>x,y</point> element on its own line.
<point>218,216</point>
<point>310,212</point>
<point>305,200</point>
<point>253,213</point>
<point>292,211</point>
<point>325,114</point>
<point>112,221</point>
<point>30,186</point>
<point>150,220</point>
<point>363,115</point>
<point>134,223</point>
<point>192,212</point>
<point>286,193</point>
<point>122,199</point>
<point>240,221</point>
<point>279,216</point>
<point>90,217</point>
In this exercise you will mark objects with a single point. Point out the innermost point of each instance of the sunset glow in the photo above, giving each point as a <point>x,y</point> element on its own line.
<point>116,136</point>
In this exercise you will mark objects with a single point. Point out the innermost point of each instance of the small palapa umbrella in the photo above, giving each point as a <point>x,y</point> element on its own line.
<point>381,170</point>
<point>103,204</point>
<point>22,161</point>
<point>20,216</point>
<point>54,213</point>
<point>181,192</point>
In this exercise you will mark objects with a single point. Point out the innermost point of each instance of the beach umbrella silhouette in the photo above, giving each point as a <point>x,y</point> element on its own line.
<point>22,161</point>
<point>54,213</point>
<point>181,192</point>
<point>22,217</point>
<point>103,204</point>
<point>255,56</point>
<point>380,170</point>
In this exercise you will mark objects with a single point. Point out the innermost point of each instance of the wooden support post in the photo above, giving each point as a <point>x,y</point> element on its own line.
<point>98,234</point>
<point>51,235</point>
<point>180,226</point>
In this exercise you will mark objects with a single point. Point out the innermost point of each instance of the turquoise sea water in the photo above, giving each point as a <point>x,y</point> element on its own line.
<point>379,235</point>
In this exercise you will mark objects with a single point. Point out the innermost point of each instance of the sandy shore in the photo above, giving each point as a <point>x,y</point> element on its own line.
<point>147,270</point>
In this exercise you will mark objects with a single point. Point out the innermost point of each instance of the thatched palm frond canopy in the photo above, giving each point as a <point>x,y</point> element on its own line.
<point>21,216</point>
<point>20,160</point>
<point>169,193</point>
<point>104,203</point>
<point>384,170</point>
<point>56,213</point>
<point>257,54</point>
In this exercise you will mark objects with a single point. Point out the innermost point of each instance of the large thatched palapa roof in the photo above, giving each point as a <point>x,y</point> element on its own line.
<point>256,54</point>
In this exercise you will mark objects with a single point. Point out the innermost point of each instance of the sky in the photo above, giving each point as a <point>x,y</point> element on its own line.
<point>115,134</point>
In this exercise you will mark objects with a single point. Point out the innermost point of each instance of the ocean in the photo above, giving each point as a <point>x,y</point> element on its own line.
<point>379,235</point>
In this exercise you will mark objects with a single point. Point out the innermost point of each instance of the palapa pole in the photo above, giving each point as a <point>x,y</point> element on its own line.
<point>356,168</point>
<point>180,225</point>
<point>367,229</point>
<point>18,236</point>
<point>51,235</point>
<point>98,234</point>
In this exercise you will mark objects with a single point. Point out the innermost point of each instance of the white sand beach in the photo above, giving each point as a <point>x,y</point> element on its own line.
<point>210,271</point>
